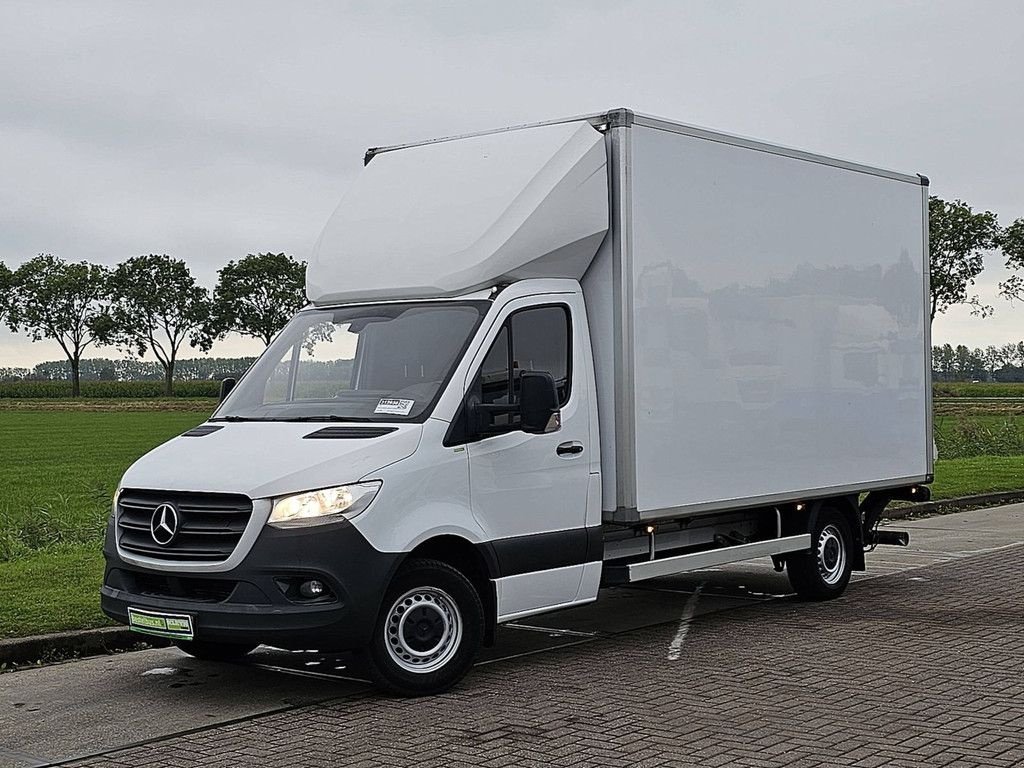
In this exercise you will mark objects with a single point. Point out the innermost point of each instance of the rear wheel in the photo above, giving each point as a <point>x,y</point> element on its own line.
<point>208,651</point>
<point>824,571</point>
<point>428,630</point>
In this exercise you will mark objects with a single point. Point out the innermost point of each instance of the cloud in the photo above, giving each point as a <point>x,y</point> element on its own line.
<point>212,130</point>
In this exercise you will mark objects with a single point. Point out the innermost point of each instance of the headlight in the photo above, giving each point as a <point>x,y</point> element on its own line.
<point>317,507</point>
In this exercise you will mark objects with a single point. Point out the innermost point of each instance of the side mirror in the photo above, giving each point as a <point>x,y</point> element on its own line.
<point>538,403</point>
<point>226,385</point>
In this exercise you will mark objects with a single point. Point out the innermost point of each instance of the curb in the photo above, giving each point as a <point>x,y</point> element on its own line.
<point>959,504</point>
<point>72,644</point>
<point>93,642</point>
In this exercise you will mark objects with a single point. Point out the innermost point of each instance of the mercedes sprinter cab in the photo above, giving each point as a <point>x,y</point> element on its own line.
<point>537,361</point>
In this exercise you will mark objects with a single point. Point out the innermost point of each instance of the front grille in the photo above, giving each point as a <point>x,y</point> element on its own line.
<point>183,588</point>
<point>209,524</point>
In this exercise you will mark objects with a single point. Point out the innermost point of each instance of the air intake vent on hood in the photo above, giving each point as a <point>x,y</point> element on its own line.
<point>349,433</point>
<point>201,430</point>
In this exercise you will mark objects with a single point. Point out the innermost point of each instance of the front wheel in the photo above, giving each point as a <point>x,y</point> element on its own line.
<point>824,571</point>
<point>428,630</point>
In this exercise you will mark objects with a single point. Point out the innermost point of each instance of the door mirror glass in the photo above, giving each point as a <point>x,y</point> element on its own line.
<point>538,402</point>
<point>226,385</point>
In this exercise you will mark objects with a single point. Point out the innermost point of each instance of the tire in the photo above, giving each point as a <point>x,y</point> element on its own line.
<point>208,651</point>
<point>824,571</point>
<point>433,654</point>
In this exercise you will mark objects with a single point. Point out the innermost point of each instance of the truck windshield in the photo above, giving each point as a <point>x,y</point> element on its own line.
<point>384,362</point>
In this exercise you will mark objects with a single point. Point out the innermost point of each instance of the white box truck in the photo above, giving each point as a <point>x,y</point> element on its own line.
<point>537,361</point>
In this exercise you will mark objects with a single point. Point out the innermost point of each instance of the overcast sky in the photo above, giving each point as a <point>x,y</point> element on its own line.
<point>212,130</point>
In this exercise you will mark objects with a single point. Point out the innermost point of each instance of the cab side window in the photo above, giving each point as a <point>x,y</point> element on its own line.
<point>492,383</point>
<point>541,343</point>
<point>535,339</point>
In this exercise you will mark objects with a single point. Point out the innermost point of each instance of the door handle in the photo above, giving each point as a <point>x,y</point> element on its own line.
<point>571,448</point>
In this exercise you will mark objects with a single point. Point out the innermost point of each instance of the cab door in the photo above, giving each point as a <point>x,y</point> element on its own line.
<point>529,491</point>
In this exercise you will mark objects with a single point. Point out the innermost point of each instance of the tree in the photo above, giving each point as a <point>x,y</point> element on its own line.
<point>958,238</point>
<point>60,300</point>
<point>6,293</point>
<point>992,359</point>
<point>943,362</point>
<point>155,304</point>
<point>255,296</point>
<point>1011,243</point>
<point>1012,353</point>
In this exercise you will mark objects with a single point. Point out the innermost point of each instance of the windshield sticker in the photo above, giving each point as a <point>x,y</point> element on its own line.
<point>394,406</point>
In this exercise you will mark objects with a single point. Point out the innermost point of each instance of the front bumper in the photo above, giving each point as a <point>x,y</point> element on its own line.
<point>256,602</point>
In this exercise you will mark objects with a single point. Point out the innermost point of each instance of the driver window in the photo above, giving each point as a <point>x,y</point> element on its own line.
<point>535,339</point>
<point>540,342</point>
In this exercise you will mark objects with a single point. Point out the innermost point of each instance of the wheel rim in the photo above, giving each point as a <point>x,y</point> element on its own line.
<point>423,630</point>
<point>831,555</point>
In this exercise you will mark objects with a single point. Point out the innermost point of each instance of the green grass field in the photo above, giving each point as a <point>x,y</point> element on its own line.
<point>60,462</point>
<point>978,474</point>
<point>977,389</point>
<point>58,472</point>
<point>966,429</point>
<point>51,590</point>
<point>68,463</point>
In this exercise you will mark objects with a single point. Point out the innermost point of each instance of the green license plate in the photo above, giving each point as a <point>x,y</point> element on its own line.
<point>175,625</point>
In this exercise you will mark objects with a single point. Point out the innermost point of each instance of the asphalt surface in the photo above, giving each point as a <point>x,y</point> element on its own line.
<point>921,663</point>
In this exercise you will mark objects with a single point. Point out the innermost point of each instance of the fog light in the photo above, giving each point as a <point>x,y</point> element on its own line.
<point>312,588</point>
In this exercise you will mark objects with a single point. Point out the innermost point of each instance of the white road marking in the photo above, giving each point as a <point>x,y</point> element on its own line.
<point>890,566</point>
<point>881,567</point>
<point>161,671</point>
<point>568,644</point>
<point>551,630</point>
<point>23,757</point>
<point>904,553</point>
<point>751,596</point>
<point>986,550</point>
<point>310,673</point>
<point>676,646</point>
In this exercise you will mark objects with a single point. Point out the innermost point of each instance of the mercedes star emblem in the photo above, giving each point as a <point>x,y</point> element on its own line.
<point>163,526</point>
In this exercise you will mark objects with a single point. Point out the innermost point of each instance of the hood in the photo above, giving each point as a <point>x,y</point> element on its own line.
<point>263,459</point>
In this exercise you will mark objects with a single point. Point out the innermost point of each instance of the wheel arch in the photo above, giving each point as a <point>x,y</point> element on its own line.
<point>848,507</point>
<point>474,561</point>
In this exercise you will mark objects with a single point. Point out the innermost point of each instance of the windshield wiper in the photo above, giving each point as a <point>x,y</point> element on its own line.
<point>323,418</point>
<point>289,418</point>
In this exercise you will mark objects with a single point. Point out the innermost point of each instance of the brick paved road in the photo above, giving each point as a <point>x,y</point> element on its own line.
<point>921,668</point>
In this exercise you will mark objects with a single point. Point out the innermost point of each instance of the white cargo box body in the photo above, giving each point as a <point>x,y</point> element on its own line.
<point>758,314</point>
<point>772,312</point>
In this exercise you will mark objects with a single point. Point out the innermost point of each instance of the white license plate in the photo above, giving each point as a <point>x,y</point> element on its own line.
<point>174,625</point>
